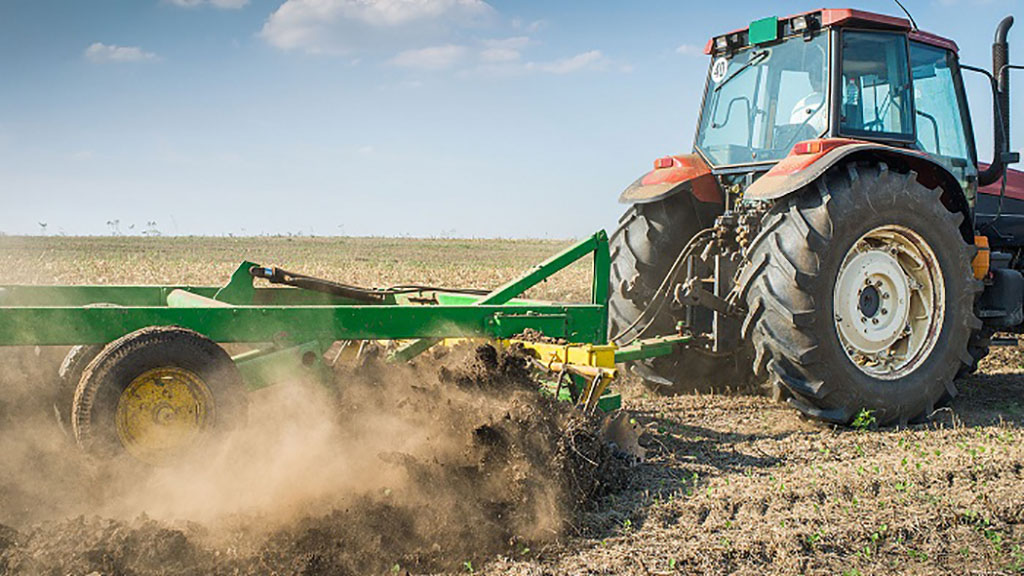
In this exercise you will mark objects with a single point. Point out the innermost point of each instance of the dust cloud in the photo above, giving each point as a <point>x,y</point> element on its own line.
<point>422,468</point>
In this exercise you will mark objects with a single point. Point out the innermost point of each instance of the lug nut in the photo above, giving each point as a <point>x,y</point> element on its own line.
<point>874,320</point>
<point>884,311</point>
<point>878,283</point>
<point>885,295</point>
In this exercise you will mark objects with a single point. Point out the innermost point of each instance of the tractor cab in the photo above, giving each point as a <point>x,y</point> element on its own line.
<point>833,74</point>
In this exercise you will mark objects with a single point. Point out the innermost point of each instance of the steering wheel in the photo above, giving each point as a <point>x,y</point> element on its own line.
<point>796,134</point>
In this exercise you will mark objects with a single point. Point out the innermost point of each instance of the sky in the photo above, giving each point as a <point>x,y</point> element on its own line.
<point>417,118</point>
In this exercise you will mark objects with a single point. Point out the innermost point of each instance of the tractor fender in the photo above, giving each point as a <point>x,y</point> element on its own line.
<point>672,175</point>
<point>809,160</point>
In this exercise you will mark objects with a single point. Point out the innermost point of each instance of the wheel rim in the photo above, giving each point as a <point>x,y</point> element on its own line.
<point>889,302</point>
<point>163,413</point>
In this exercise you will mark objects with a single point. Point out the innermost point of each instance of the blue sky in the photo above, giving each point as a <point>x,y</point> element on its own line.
<point>367,117</point>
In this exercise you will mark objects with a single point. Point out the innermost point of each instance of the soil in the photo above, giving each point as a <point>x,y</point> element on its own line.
<point>500,469</point>
<point>732,484</point>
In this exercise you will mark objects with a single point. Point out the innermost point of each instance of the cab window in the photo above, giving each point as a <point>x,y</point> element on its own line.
<point>940,122</point>
<point>876,92</point>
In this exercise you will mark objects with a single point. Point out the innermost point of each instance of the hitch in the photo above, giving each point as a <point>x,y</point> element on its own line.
<point>691,293</point>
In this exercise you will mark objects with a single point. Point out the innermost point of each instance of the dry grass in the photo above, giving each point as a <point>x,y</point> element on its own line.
<point>370,262</point>
<point>734,484</point>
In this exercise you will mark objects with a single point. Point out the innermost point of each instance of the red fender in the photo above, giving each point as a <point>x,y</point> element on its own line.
<point>811,159</point>
<point>672,175</point>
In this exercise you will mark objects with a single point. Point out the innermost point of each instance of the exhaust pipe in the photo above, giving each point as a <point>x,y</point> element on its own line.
<point>1000,105</point>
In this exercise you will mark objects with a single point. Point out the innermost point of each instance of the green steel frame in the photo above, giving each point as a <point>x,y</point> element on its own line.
<point>240,312</point>
<point>292,328</point>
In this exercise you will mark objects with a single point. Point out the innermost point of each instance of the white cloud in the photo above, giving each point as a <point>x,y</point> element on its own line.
<point>505,57</point>
<point>499,55</point>
<point>417,35</point>
<point>223,4</point>
<point>497,51</point>
<point>99,52</point>
<point>586,61</point>
<point>513,43</point>
<point>432,58</point>
<point>531,27</point>
<point>345,25</point>
<point>690,50</point>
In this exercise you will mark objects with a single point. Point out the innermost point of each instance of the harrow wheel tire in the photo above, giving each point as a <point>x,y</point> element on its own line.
<point>69,375</point>
<point>155,395</point>
<point>646,243</point>
<point>860,296</point>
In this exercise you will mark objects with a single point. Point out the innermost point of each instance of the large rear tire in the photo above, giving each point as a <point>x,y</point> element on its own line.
<point>860,296</point>
<point>646,243</point>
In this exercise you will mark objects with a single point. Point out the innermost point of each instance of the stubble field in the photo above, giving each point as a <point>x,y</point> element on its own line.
<point>733,483</point>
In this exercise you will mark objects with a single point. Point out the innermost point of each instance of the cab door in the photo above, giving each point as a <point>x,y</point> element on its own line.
<point>943,124</point>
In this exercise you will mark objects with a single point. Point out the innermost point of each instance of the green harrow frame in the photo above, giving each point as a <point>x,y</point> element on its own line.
<point>241,312</point>
<point>293,328</point>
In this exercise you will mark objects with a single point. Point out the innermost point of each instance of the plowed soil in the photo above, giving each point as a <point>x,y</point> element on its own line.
<point>428,468</point>
<point>743,485</point>
<point>732,484</point>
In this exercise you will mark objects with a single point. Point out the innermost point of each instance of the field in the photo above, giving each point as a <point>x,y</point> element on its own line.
<point>733,483</point>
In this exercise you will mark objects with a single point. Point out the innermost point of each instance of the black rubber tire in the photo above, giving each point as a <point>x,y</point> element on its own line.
<point>70,374</point>
<point>646,243</point>
<point>789,284</point>
<point>978,347</point>
<point>121,361</point>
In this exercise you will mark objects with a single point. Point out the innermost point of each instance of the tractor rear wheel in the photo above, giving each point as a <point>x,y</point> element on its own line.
<point>155,395</point>
<point>644,247</point>
<point>860,296</point>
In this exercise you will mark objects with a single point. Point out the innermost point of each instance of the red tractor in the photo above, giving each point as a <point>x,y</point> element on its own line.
<point>833,226</point>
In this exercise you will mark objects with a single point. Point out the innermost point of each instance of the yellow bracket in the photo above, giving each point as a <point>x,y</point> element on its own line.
<point>578,355</point>
<point>595,363</point>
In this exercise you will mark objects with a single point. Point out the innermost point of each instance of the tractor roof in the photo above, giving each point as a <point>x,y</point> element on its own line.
<point>850,18</point>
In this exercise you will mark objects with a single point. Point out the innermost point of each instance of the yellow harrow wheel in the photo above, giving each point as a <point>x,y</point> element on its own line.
<point>156,395</point>
<point>162,412</point>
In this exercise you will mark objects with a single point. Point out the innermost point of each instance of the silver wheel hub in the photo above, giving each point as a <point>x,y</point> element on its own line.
<point>889,302</point>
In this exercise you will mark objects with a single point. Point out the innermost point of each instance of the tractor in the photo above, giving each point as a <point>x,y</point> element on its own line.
<point>833,226</point>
